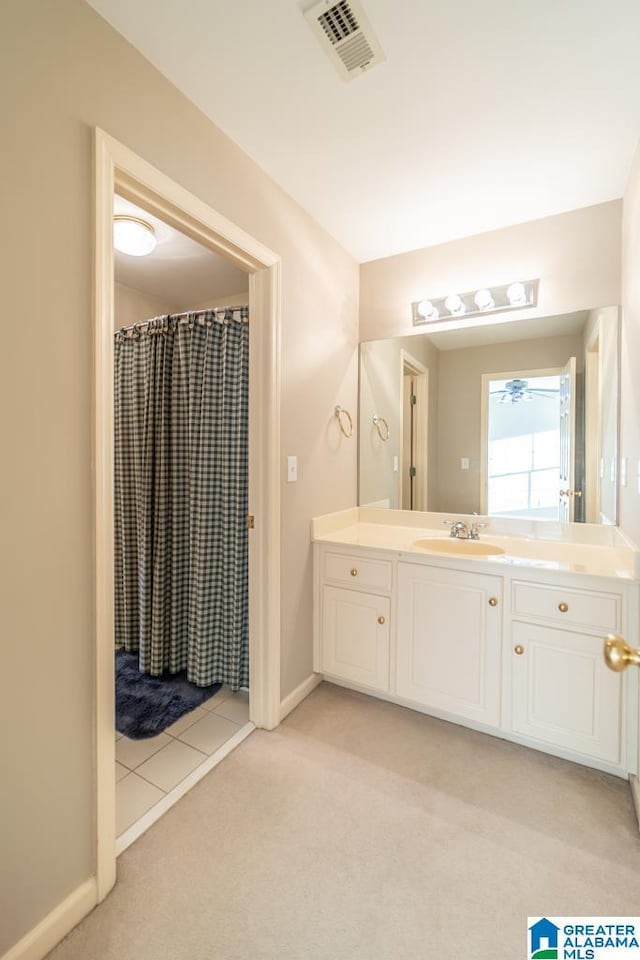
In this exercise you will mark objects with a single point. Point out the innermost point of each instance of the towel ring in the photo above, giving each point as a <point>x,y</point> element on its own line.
<point>340,414</point>
<point>382,427</point>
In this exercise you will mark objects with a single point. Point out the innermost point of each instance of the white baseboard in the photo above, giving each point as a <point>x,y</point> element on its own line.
<point>634,783</point>
<point>297,696</point>
<point>38,942</point>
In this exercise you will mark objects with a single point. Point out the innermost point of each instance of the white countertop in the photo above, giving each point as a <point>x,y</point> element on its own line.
<point>594,559</point>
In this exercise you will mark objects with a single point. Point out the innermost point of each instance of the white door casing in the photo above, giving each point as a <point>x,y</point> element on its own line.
<point>567,492</point>
<point>118,168</point>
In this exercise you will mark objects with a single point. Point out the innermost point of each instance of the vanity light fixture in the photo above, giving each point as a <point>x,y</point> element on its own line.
<point>427,310</point>
<point>133,236</point>
<point>483,301</point>
<point>516,294</point>
<point>455,305</point>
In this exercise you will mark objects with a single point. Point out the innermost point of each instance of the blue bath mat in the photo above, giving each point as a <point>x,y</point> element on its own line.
<point>145,706</point>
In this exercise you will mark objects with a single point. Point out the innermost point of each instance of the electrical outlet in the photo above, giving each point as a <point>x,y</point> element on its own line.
<point>292,469</point>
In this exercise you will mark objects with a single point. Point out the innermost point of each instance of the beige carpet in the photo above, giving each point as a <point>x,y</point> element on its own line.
<point>363,831</point>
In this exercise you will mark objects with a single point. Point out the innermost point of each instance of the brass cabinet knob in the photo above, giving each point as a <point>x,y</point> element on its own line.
<point>519,649</point>
<point>563,607</point>
<point>618,655</point>
<point>493,601</point>
<point>354,572</point>
<point>381,620</point>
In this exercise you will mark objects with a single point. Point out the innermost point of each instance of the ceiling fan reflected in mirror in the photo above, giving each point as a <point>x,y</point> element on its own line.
<point>519,391</point>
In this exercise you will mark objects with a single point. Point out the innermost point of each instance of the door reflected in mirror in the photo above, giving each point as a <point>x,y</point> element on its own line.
<point>515,419</point>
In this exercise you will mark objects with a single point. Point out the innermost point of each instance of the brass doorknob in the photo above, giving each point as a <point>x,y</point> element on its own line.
<point>354,572</point>
<point>493,601</point>
<point>381,620</point>
<point>519,649</point>
<point>563,607</point>
<point>618,655</point>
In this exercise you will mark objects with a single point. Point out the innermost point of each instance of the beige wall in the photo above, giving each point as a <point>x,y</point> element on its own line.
<point>62,71</point>
<point>235,300</point>
<point>133,306</point>
<point>380,393</point>
<point>630,367</point>
<point>576,256</point>
<point>459,421</point>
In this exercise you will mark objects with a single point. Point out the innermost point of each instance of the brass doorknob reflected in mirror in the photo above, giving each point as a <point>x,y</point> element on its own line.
<point>618,655</point>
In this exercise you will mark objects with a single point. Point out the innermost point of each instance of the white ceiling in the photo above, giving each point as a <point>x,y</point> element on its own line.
<point>179,271</point>
<point>483,115</point>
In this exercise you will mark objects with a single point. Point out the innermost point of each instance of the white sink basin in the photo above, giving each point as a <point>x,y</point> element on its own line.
<point>452,545</point>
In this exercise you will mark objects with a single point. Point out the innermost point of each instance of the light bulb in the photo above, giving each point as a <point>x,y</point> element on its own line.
<point>427,310</point>
<point>516,294</point>
<point>133,236</point>
<point>454,304</point>
<point>483,299</point>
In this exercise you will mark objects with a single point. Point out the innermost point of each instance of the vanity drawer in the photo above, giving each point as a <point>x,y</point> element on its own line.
<point>358,572</point>
<point>589,610</point>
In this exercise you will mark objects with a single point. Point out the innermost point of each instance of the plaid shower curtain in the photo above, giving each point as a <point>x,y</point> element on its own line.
<point>181,491</point>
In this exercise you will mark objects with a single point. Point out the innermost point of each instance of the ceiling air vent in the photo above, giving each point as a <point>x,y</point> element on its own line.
<point>346,36</point>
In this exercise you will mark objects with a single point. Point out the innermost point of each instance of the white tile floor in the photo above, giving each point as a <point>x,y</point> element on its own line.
<point>146,770</point>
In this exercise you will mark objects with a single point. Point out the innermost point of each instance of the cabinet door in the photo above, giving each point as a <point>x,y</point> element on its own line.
<point>563,693</point>
<point>355,637</point>
<point>448,648</point>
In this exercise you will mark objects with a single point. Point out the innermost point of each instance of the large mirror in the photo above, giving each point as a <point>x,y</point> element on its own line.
<point>510,419</point>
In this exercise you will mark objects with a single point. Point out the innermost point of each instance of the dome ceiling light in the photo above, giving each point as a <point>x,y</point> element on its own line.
<point>516,295</point>
<point>133,236</point>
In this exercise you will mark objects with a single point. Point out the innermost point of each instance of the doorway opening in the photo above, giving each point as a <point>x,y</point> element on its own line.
<point>528,443</point>
<point>176,712</point>
<point>118,171</point>
<point>413,445</point>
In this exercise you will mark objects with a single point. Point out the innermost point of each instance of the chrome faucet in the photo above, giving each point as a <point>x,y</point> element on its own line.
<point>461,531</point>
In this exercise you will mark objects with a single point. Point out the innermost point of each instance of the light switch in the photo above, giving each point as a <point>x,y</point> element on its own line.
<point>292,469</point>
<point>464,463</point>
<point>395,464</point>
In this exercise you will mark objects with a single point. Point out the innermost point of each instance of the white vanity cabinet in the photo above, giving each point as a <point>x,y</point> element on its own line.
<point>514,653</point>
<point>449,639</point>
<point>562,692</point>
<point>355,619</point>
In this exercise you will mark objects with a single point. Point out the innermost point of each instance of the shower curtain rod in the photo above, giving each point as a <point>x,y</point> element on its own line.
<point>197,315</point>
